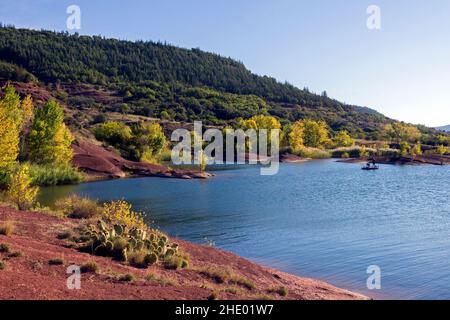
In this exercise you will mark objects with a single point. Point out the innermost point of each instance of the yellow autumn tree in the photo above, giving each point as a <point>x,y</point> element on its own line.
<point>343,139</point>
<point>296,136</point>
<point>310,133</point>
<point>261,122</point>
<point>10,126</point>
<point>20,191</point>
<point>49,139</point>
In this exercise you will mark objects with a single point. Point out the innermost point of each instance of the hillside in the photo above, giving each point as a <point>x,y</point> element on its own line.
<point>444,128</point>
<point>28,273</point>
<point>160,80</point>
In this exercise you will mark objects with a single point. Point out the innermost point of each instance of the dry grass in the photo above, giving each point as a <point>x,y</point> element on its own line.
<point>7,228</point>
<point>282,291</point>
<point>76,207</point>
<point>160,280</point>
<point>226,276</point>
<point>89,267</point>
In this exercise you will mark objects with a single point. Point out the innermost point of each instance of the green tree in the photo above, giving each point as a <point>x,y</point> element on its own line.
<point>315,133</point>
<point>113,132</point>
<point>398,132</point>
<point>20,191</point>
<point>149,140</point>
<point>49,140</point>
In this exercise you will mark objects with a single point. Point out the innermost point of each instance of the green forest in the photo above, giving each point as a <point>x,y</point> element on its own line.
<point>171,83</point>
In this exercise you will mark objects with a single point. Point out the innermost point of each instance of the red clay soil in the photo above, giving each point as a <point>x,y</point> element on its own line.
<point>30,276</point>
<point>96,161</point>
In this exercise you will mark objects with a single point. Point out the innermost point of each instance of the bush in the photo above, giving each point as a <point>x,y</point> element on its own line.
<point>4,248</point>
<point>176,262</point>
<point>20,191</point>
<point>89,267</point>
<point>120,212</point>
<point>2,265</point>
<point>78,207</point>
<point>7,228</point>
<point>51,175</point>
<point>127,277</point>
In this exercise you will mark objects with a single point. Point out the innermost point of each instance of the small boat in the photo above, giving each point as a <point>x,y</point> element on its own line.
<point>375,167</point>
<point>370,166</point>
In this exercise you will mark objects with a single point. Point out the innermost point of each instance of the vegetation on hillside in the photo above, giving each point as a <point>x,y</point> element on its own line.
<point>165,81</point>
<point>36,135</point>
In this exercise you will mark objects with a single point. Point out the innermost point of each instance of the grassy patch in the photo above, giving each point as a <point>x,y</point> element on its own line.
<point>160,280</point>
<point>50,175</point>
<point>176,262</point>
<point>226,276</point>
<point>78,207</point>
<point>89,267</point>
<point>7,228</point>
<point>282,291</point>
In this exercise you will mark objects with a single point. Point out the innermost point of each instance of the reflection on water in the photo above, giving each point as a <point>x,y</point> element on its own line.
<point>319,219</point>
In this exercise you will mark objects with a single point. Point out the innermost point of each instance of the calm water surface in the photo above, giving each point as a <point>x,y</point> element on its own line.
<point>320,219</point>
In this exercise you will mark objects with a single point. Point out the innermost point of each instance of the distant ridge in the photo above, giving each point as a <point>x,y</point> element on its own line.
<point>444,128</point>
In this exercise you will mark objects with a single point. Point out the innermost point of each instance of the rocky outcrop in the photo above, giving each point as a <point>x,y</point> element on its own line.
<point>98,162</point>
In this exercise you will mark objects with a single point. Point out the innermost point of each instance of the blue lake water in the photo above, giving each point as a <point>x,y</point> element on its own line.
<point>319,219</point>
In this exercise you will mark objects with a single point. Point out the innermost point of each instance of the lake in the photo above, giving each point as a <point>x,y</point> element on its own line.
<point>319,219</point>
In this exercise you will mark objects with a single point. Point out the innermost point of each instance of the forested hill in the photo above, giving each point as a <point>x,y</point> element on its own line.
<point>60,57</point>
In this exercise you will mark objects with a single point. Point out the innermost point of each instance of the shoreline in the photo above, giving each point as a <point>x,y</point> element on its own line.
<point>30,276</point>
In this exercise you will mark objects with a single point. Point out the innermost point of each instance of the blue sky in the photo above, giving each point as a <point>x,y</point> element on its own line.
<point>402,70</point>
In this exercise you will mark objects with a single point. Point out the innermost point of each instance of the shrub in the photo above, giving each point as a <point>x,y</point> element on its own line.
<point>176,262</point>
<point>2,265</point>
<point>15,254</point>
<point>282,291</point>
<point>214,295</point>
<point>127,277</point>
<point>4,248</point>
<point>113,132</point>
<point>137,258</point>
<point>20,192</point>
<point>51,175</point>
<point>89,267</point>
<point>120,212</point>
<point>78,207</point>
<point>64,235</point>
<point>7,228</point>
<point>56,262</point>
